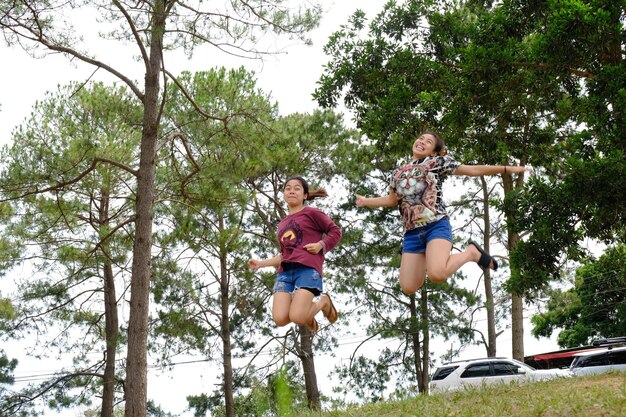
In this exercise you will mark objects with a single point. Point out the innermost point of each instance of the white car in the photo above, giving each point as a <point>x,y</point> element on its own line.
<point>598,361</point>
<point>458,375</point>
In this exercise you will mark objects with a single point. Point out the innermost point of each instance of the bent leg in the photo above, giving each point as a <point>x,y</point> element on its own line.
<point>280,308</point>
<point>440,264</point>
<point>303,309</point>
<point>412,272</point>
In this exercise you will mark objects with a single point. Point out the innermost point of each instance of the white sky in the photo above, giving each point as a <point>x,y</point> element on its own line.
<point>290,78</point>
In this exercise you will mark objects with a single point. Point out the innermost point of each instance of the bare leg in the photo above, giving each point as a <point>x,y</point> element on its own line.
<point>303,309</point>
<point>280,308</point>
<point>412,272</point>
<point>440,264</point>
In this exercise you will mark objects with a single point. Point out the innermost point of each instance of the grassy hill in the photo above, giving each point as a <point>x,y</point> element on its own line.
<point>600,395</point>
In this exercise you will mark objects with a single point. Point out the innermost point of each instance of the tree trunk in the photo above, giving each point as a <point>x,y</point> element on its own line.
<point>136,391</point>
<point>225,331</point>
<point>111,319</point>
<point>426,340</point>
<point>228,363</point>
<point>517,314</point>
<point>517,327</point>
<point>308,367</point>
<point>414,329</point>
<point>517,302</point>
<point>489,303</point>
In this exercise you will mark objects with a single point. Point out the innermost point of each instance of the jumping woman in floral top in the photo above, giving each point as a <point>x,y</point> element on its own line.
<point>416,189</point>
<point>305,236</point>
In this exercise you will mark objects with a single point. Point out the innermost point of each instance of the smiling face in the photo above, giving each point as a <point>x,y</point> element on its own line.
<point>424,146</point>
<point>293,193</point>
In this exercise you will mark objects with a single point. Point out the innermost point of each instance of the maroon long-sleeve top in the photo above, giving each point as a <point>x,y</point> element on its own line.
<point>309,225</point>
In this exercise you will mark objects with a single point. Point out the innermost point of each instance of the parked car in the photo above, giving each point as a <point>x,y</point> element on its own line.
<point>488,371</point>
<point>599,361</point>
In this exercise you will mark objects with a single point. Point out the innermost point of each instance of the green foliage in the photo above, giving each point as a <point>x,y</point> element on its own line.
<point>416,66</point>
<point>209,302</point>
<point>559,216</point>
<point>364,378</point>
<point>279,394</point>
<point>594,308</point>
<point>582,197</point>
<point>151,27</point>
<point>154,410</point>
<point>7,366</point>
<point>199,404</point>
<point>282,393</point>
<point>446,67</point>
<point>67,182</point>
<point>540,83</point>
<point>222,200</point>
<point>7,311</point>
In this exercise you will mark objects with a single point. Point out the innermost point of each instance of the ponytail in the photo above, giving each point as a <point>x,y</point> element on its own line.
<point>316,193</point>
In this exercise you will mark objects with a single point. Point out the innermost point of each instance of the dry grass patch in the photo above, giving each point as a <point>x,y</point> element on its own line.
<point>592,396</point>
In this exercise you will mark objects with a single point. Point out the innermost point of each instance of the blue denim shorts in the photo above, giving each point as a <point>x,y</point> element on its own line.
<point>415,240</point>
<point>298,276</point>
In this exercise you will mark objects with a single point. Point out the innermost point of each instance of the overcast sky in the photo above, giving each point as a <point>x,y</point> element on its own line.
<point>289,78</point>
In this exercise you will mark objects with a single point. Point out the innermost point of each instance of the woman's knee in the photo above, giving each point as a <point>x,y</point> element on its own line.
<point>410,286</point>
<point>281,319</point>
<point>408,290</point>
<point>298,317</point>
<point>437,275</point>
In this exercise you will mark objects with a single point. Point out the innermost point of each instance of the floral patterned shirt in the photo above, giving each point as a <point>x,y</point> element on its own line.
<point>418,187</point>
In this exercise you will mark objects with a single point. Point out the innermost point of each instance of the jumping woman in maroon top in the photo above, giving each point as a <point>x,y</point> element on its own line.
<point>305,236</point>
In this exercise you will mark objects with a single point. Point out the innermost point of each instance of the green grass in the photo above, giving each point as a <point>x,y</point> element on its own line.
<point>593,396</point>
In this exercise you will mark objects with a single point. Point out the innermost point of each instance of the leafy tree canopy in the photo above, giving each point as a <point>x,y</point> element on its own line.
<point>594,308</point>
<point>541,83</point>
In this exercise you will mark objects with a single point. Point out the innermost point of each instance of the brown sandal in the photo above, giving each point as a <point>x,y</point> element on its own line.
<point>313,327</point>
<point>332,315</point>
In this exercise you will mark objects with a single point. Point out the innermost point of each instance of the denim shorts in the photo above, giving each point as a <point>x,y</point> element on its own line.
<point>298,276</point>
<point>415,240</point>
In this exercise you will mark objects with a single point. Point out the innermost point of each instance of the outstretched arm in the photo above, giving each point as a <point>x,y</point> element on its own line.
<point>255,264</point>
<point>478,170</point>
<point>388,200</point>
